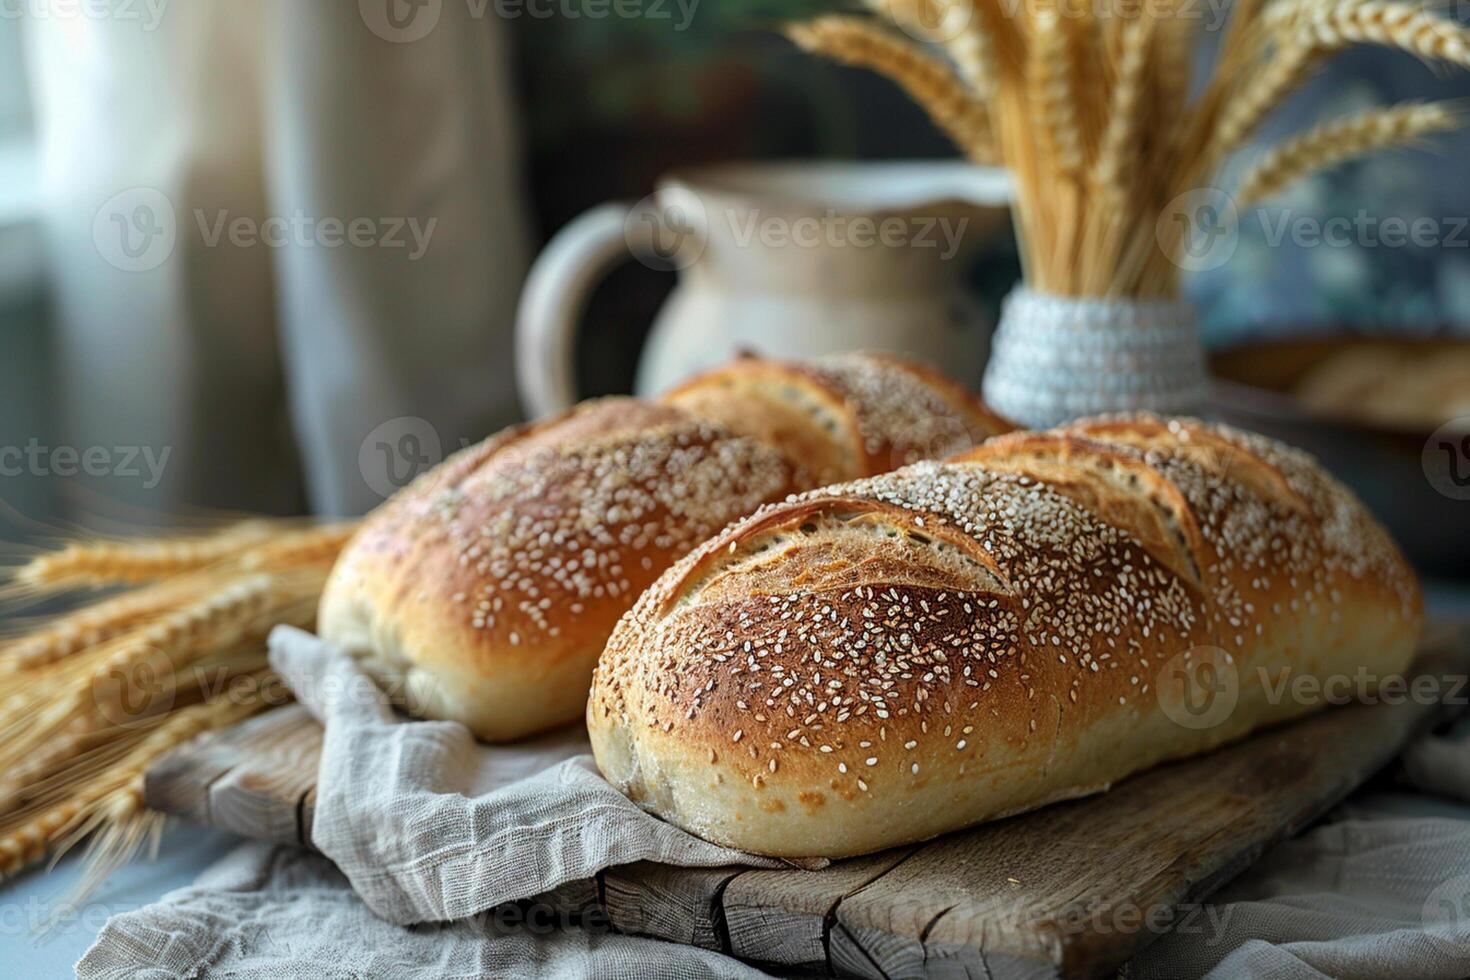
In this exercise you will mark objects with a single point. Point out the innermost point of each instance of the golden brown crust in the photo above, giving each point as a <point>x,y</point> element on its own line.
<point>843,416</point>
<point>880,662</point>
<point>785,406</point>
<point>511,563</point>
<point>491,585</point>
<point>903,411</point>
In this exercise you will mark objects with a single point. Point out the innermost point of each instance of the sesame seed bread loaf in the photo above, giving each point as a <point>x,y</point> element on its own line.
<point>487,589</point>
<point>883,661</point>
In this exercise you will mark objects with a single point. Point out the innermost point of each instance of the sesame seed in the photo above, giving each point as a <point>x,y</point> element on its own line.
<point>833,663</point>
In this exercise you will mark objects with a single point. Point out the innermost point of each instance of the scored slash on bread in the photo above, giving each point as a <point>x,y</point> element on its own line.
<point>883,661</point>
<point>487,589</point>
<point>842,417</point>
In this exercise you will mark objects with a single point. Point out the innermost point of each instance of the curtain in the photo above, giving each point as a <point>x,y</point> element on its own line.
<point>285,242</point>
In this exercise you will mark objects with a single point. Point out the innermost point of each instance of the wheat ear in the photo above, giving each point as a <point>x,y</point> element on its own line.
<point>221,618</point>
<point>970,45</point>
<point>1118,170</point>
<point>1334,142</point>
<point>1119,154</point>
<point>313,546</point>
<point>27,842</point>
<point>1048,73</point>
<point>1406,26</point>
<point>80,565</point>
<point>1292,65</point>
<point>1312,32</point>
<point>958,27</point>
<point>930,83</point>
<point>93,625</point>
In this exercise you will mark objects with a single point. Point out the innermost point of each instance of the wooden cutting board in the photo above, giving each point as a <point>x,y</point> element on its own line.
<point>1072,890</point>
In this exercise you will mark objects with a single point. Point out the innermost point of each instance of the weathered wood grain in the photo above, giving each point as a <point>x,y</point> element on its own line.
<point>1072,890</point>
<point>678,904</point>
<point>254,779</point>
<point>784,916</point>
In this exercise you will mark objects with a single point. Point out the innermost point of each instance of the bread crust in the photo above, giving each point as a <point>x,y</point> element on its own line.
<point>880,662</point>
<point>843,416</point>
<point>488,588</point>
<point>490,584</point>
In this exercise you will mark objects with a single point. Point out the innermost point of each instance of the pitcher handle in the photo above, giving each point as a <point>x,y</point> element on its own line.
<point>556,293</point>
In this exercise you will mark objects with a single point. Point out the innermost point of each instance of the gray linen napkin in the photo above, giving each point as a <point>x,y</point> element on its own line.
<point>267,912</point>
<point>1372,897</point>
<point>429,826</point>
<point>1378,891</point>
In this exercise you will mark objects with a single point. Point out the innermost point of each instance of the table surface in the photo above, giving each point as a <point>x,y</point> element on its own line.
<point>28,901</point>
<point>187,850</point>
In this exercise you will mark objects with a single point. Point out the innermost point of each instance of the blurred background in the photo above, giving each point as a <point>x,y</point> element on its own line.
<point>179,335</point>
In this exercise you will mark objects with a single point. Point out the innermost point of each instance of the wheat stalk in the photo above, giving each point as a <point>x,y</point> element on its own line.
<point>75,739</point>
<point>126,682</point>
<point>1118,172</point>
<point>45,775</point>
<point>94,564</point>
<point>1120,150</point>
<point>315,546</point>
<point>959,27</point>
<point>974,58</point>
<point>930,83</point>
<point>1282,75</point>
<point>1312,32</point>
<point>92,626</point>
<point>1406,26</point>
<point>25,842</point>
<point>1334,142</point>
<point>222,617</point>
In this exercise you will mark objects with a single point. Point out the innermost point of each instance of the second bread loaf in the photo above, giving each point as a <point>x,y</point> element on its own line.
<point>489,587</point>
<point>883,661</point>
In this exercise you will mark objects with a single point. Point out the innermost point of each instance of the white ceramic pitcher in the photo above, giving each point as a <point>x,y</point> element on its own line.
<point>794,259</point>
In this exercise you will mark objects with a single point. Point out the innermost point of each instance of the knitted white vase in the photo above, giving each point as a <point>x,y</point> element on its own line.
<point>1056,358</point>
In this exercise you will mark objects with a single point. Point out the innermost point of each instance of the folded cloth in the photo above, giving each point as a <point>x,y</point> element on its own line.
<point>427,826</point>
<point>425,830</point>
<point>1371,897</point>
<point>430,826</point>
<point>267,912</point>
<point>1379,891</point>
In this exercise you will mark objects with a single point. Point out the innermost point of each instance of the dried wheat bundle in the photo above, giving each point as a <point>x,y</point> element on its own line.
<point>94,696</point>
<point>1088,105</point>
<point>927,80</point>
<point>101,563</point>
